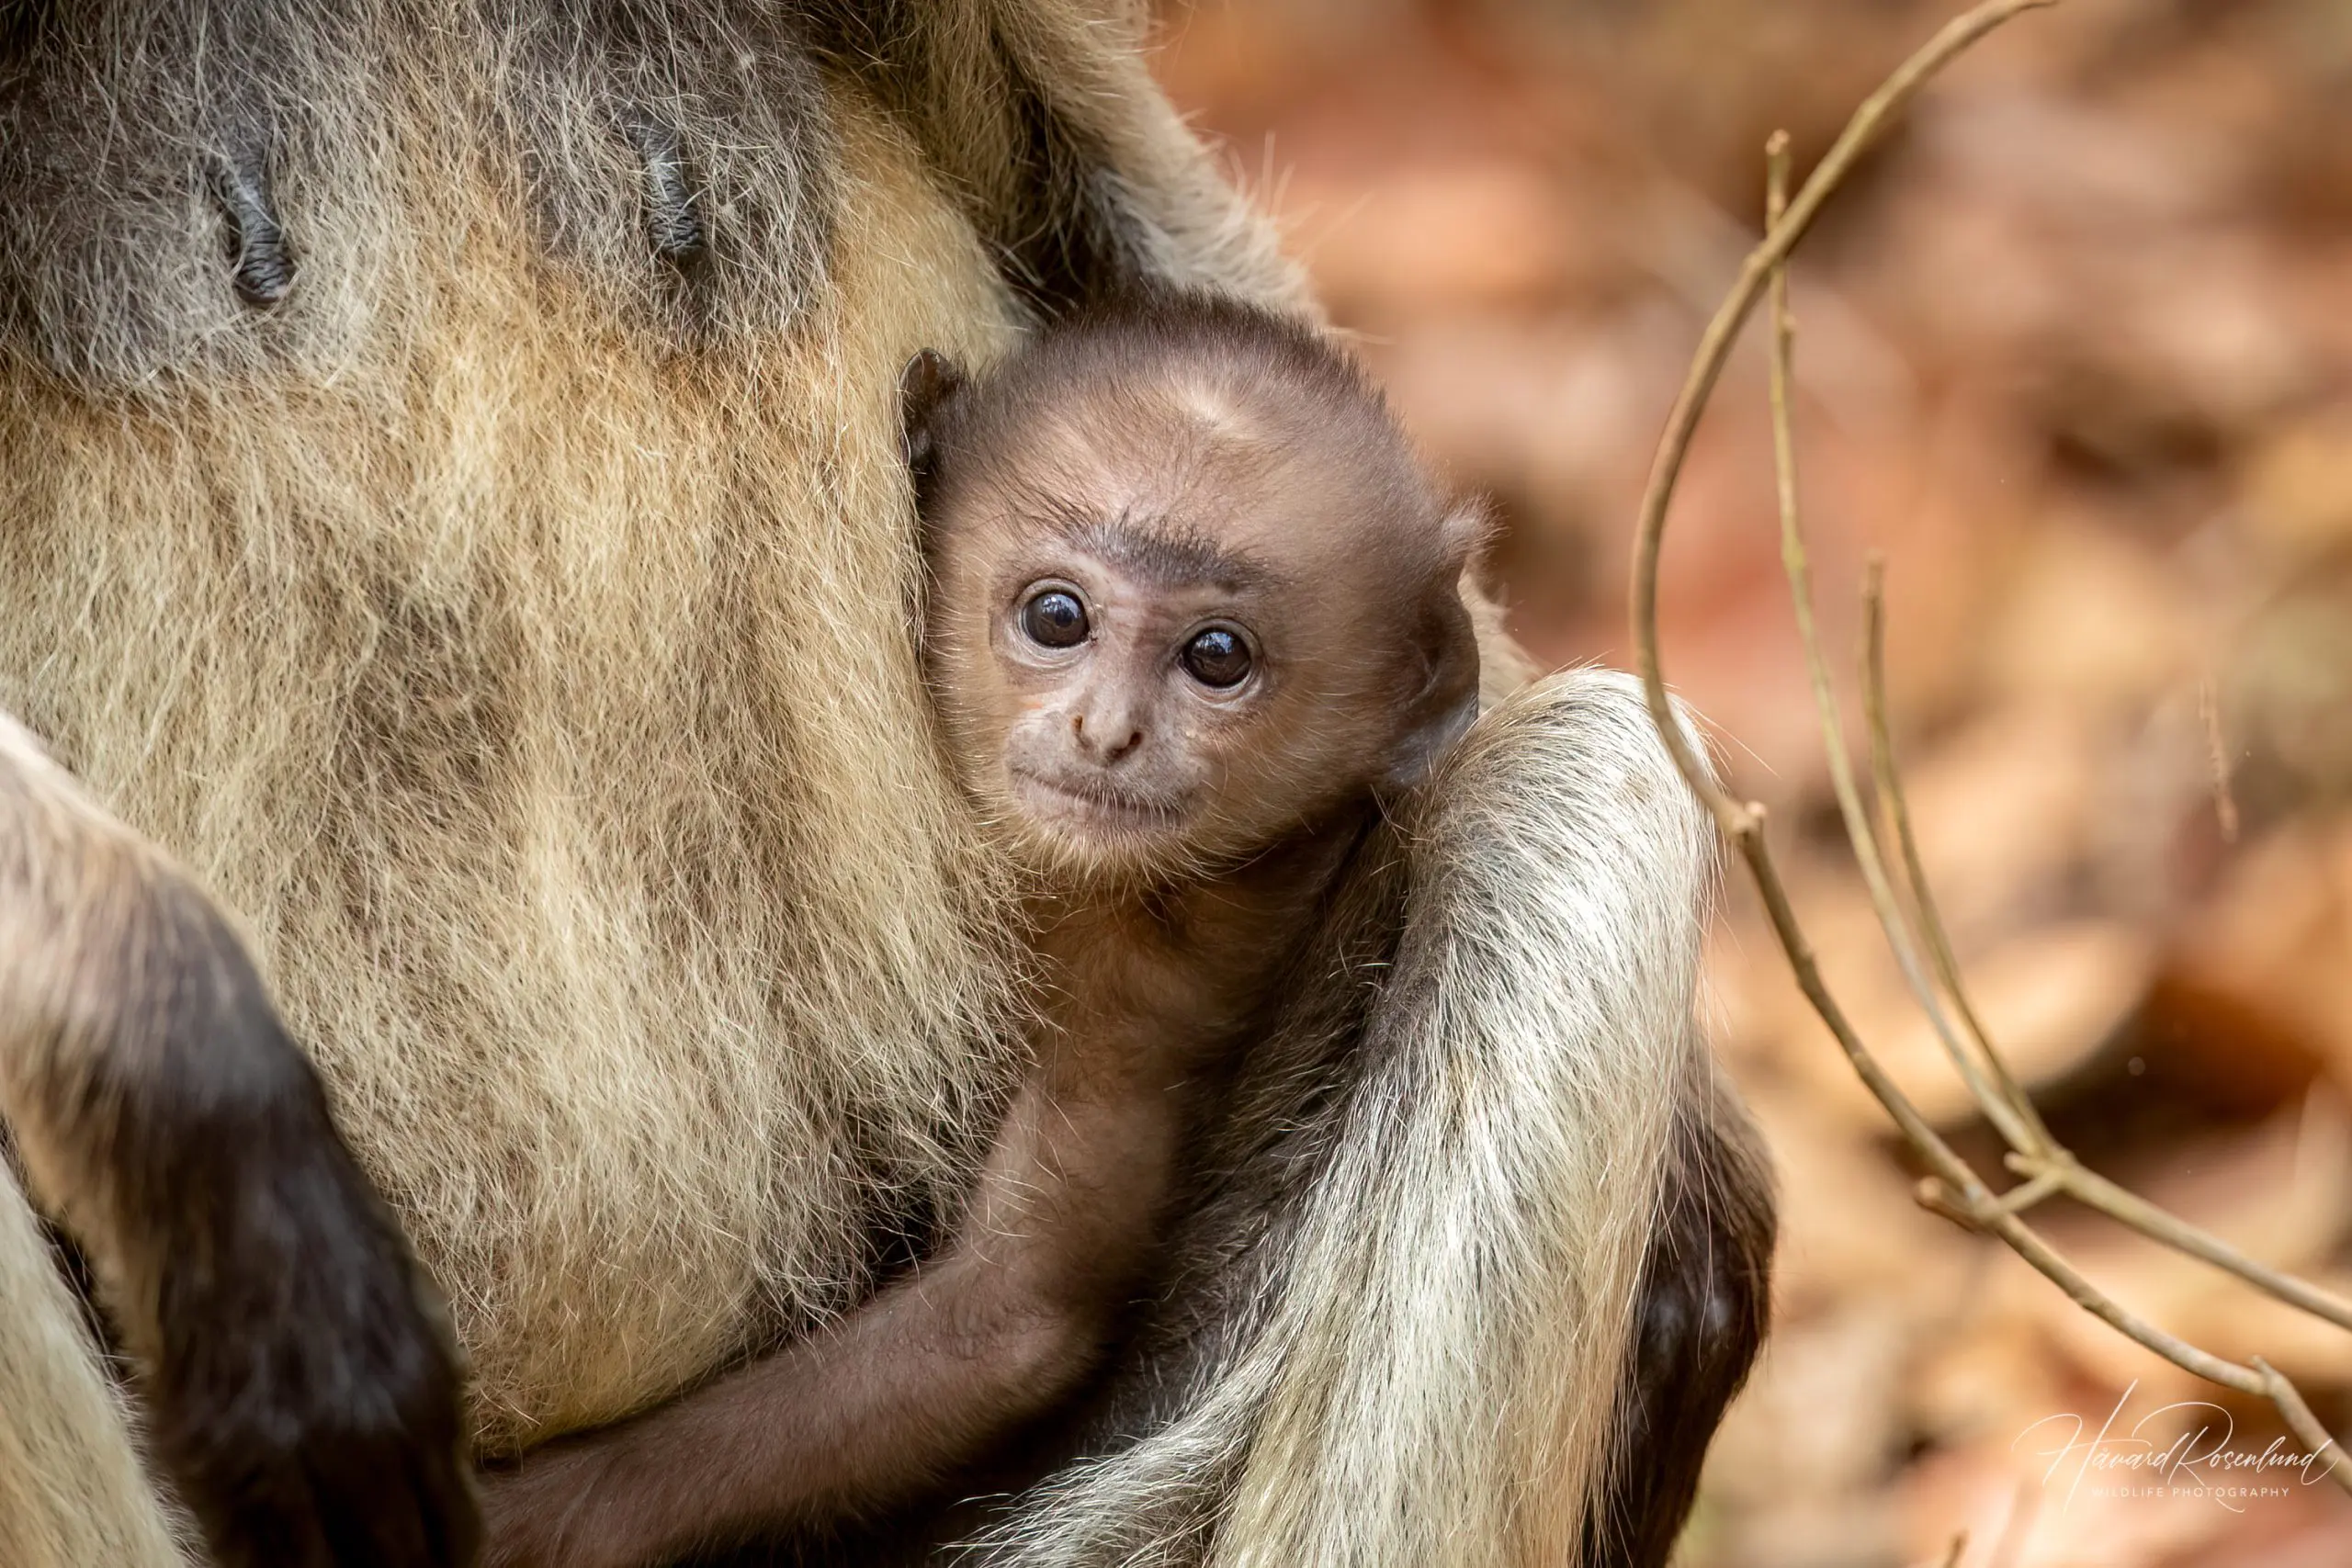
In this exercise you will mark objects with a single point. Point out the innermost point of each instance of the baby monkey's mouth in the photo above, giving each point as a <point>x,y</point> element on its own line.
<point>1080,799</point>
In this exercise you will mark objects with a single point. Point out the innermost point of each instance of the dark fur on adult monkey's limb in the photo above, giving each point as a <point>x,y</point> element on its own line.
<point>160,1102</point>
<point>449,500</point>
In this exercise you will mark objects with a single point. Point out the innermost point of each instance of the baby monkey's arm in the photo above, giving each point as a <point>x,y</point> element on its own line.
<point>925,1377</point>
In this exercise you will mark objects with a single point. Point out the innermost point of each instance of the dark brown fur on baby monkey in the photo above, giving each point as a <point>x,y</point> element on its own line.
<point>1193,609</point>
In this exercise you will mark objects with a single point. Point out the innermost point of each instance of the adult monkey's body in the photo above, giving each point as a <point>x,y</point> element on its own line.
<point>506,620</point>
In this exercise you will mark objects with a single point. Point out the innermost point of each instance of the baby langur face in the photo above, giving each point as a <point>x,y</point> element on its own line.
<point>1147,700</point>
<point>1135,681</point>
<point>1189,592</point>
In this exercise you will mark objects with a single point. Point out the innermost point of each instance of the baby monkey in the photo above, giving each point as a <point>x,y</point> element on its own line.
<point>1192,608</point>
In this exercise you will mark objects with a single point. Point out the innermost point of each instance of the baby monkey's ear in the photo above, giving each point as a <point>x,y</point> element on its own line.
<point>1436,715</point>
<point>927,382</point>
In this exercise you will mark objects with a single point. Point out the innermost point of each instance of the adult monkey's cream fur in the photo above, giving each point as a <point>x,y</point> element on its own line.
<point>509,624</point>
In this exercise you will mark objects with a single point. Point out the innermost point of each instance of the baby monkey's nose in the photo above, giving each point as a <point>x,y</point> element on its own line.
<point>1112,738</point>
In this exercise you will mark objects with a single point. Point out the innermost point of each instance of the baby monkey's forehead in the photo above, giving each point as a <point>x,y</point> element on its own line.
<point>1192,458</point>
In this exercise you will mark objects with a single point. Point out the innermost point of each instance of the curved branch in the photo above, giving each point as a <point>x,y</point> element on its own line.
<point>2051,1167</point>
<point>2004,1104</point>
<point>1714,349</point>
<point>1955,1190</point>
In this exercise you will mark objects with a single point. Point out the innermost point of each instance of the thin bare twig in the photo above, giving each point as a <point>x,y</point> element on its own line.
<point>2088,1187</point>
<point>1955,1189</point>
<point>1715,348</point>
<point>1929,916</point>
<point>2301,1421</point>
<point>1987,1215</point>
<point>2052,1169</point>
<point>2004,1105</point>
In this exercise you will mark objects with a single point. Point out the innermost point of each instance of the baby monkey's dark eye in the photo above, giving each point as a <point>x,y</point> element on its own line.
<point>1217,658</point>
<point>1054,619</point>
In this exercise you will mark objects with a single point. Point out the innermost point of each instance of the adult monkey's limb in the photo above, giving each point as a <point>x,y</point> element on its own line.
<point>302,1392</point>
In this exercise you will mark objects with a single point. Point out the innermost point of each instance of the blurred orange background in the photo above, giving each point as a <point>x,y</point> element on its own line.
<point>2075,354</point>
